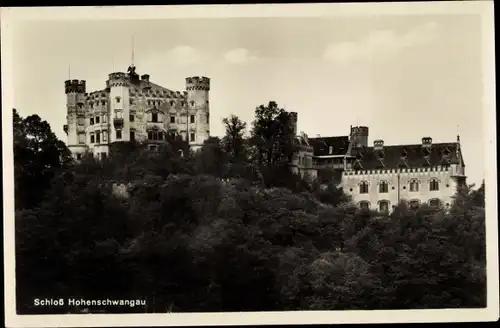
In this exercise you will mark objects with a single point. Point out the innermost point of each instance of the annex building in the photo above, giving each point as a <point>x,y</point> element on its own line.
<point>131,107</point>
<point>379,176</point>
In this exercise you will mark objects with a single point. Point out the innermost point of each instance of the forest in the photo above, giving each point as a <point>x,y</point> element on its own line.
<point>228,228</point>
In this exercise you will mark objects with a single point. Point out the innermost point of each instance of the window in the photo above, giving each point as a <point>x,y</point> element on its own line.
<point>192,103</point>
<point>118,114</point>
<point>118,100</point>
<point>104,118</point>
<point>413,185</point>
<point>414,204</point>
<point>208,118</point>
<point>131,101</point>
<point>97,119</point>
<point>103,102</point>
<point>155,135</point>
<point>132,135</point>
<point>434,202</point>
<point>78,156</point>
<point>192,137</point>
<point>383,187</point>
<point>434,185</point>
<point>172,119</point>
<point>131,117</point>
<point>98,137</point>
<point>363,187</point>
<point>383,206</point>
<point>91,121</point>
<point>81,138</point>
<point>118,134</point>
<point>104,136</point>
<point>364,205</point>
<point>192,119</point>
<point>153,147</point>
<point>92,138</point>
<point>154,117</point>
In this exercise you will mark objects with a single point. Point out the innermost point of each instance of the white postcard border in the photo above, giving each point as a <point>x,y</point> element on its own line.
<point>483,8</point>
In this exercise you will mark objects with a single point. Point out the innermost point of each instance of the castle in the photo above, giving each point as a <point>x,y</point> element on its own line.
<point>380,176</point>
<point>131,107</point>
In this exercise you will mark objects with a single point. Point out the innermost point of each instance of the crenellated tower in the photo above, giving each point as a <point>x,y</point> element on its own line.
<point>359,136</point>
<point>198,107</point>
<point>75,109</point>
<point>118,85</point>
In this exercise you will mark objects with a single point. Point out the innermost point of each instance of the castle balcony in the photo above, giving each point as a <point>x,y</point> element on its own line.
<point>65,128</point>
<point>118,122</point>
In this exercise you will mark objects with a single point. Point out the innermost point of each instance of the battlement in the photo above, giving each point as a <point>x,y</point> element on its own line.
<point>359,130</point>
<point>74,86</point>
<point>198,83</point>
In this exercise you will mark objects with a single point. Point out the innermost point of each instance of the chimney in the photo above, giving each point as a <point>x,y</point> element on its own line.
<point>378,144</point>
<point>426,142</point>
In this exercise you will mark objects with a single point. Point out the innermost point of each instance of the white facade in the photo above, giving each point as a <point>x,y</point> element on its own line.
<point>382,189</point>
<point>133,108</point>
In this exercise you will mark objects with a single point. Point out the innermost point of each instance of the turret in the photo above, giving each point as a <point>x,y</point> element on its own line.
<point>198,121</point>
<point>359,136</point>
<point>75,110</point>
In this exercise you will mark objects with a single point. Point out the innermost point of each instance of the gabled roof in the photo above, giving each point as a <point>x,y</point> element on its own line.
<point>321,145</point>
<point>406,156</point>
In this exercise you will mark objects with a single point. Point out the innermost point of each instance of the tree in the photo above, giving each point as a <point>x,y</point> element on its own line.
<point>38,156</point>
<point>275,142</point>
<point>212,159</point>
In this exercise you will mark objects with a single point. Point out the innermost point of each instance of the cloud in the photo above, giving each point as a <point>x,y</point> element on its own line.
<point>184,55</point>
<point>239,56</point>
<point>381,42</point>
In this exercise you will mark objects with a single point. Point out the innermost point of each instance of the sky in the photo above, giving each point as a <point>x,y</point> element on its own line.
<point>404,76</point>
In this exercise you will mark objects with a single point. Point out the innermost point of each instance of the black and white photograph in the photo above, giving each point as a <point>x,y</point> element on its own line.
<point>249,164</point>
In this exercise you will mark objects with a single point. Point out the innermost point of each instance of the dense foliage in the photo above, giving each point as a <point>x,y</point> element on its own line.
<point>209,231</point>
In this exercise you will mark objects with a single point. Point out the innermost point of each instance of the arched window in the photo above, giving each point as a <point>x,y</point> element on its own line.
<point>383,206</point>
<point>363,187</point>
<point>383,187</point>
<point>434,185</point>
<point>434,202</point>
<point>413,185</point>
<point>192,103</point>
<point>172,103</point>
<point>414,204</point>
<point>364,205</point>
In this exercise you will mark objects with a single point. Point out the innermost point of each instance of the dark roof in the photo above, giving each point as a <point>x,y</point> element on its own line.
<point>406,156</point>
<point>322,145</point>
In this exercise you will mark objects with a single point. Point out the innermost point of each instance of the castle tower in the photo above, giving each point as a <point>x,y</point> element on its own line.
<point>359,136</point>
<point>75,108</point>
<point>119,110</point>
<point>198,120</point>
